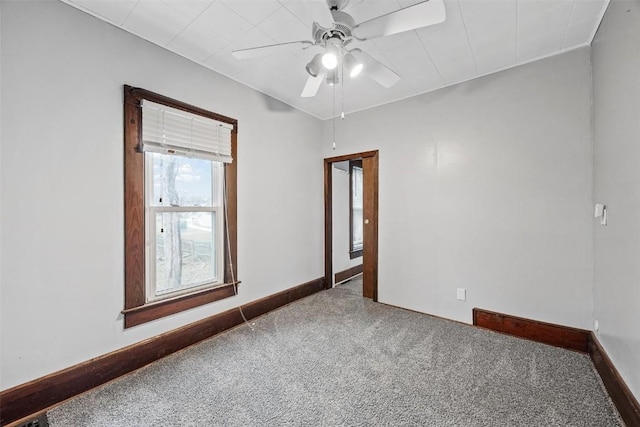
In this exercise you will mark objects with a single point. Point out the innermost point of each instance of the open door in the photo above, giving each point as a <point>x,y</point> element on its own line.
<point>370,219</point>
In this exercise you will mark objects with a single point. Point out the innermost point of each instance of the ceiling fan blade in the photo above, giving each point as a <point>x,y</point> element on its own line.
<point>376,69</point>
<point>312,85</point>
<point>413,17</point>
<point>254,52</point>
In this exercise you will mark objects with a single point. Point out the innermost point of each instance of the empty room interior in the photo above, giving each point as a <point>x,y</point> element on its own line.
<point>206,221</point>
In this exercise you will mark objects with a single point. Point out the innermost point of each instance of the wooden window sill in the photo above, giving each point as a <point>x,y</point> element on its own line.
<point>154,310</point>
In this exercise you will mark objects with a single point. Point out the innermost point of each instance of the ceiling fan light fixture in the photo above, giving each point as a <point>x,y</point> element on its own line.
<point>330,57</point>
<point>356,70</point>
<point>332,53</point>
<point>353,66</point>
<point>314,67</point>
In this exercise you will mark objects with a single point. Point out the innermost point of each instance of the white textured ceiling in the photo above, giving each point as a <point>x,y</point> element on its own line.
<point>477,38</point>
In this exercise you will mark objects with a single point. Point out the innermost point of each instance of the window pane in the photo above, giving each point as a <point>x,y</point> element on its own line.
<point>357,187</point>
<point>185,250</point>
<point>356,208</point>
<point>357,229</point>
<point>182,181</point>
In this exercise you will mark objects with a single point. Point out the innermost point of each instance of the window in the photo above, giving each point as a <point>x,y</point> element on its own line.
<point>184,232</point>
<point>355,209</point>
<point>180,206</point>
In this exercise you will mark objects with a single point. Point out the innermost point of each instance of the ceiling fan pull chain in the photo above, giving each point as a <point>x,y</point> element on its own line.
<point>342,88</point>
<point>334,116</point>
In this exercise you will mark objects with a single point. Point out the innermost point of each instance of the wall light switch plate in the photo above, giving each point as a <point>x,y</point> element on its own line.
<point>599,210</point>
<point>462,294</point>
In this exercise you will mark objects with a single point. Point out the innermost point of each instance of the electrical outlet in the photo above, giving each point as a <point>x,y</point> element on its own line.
<point>461,294</point>
<point>596,325</point>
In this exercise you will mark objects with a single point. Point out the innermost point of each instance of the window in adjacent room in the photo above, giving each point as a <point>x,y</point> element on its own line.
<point>355,209</point>
<point>180,206</point>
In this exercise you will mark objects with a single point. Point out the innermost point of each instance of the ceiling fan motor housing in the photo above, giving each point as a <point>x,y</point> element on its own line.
<point>341,29</point>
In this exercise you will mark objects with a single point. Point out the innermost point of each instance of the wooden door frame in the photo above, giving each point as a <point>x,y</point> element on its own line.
<point>370,212</point>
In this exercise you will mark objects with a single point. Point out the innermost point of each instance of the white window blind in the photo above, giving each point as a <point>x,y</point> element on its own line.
<point>171,131</point>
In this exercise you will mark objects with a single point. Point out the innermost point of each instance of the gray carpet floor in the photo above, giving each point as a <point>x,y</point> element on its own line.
<point>336,359</point>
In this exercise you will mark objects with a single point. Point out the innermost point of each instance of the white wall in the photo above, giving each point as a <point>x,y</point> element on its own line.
<point>62,185</point>
<point>486,186</point>
<point>616,82</point>
<point>340,225</point>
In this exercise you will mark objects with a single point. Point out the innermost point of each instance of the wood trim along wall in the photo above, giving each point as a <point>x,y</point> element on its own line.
<point>353,156</point>
<point>343,275</point>
<point>35,396</point>
<point>627,405</point>
<point>134,244</point>
<point>370,194</point>
<point>328,224</point>
<point>231,212</point>
<point>355,254</point>
<point>546,333</point>
<point>370,172</point>
<point>571,339</point>
<point>151,311</point>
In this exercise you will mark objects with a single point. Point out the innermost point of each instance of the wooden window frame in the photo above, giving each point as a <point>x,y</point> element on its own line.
<point>136,309</point>
<point>357,252</point>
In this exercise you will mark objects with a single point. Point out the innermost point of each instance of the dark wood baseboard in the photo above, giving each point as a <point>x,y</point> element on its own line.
<point>620,394</point>
<point>341,276</point>
<point>571,339</point>
<point>35,396</point>
<point>546,333</point>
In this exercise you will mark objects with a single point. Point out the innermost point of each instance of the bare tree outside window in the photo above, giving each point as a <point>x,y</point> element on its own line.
<point>186,228</point>
<point>172,242</point>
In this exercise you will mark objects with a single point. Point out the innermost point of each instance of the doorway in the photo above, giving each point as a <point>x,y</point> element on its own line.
<point>370,221</point>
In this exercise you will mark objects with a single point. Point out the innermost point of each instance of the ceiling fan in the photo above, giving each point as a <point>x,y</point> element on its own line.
<point>337,29</point>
